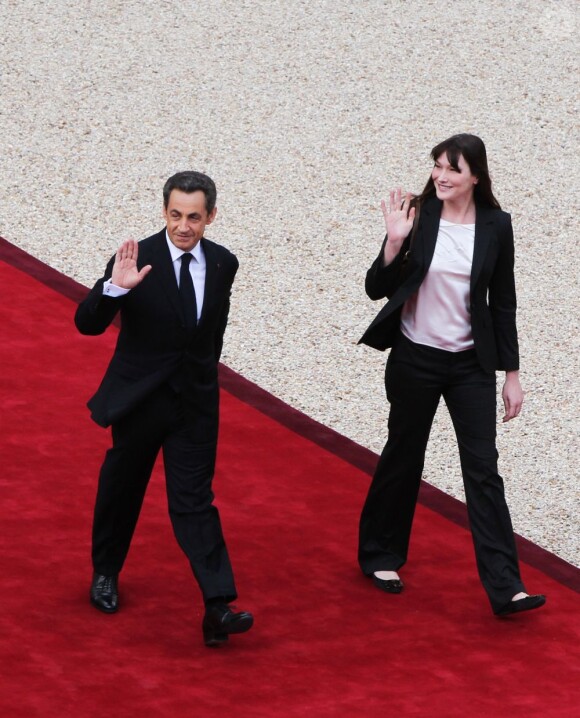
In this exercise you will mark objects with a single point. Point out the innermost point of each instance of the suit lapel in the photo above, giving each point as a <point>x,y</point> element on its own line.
<point>429,228</point>
<point>483,236</point>
<point>427,231</point>
<point>212,266</point>
<point>164,272</point>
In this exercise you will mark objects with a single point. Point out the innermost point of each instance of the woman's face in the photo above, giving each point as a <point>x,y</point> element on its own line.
<point>453,185</point>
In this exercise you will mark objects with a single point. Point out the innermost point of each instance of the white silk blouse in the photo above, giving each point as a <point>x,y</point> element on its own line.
<point>438,315</point>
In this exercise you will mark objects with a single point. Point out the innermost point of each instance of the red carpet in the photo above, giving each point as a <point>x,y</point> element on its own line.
<point>325,642</point>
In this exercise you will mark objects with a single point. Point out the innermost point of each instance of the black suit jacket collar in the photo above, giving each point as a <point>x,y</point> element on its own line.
<point>429,228</point>
<point>164,272</point>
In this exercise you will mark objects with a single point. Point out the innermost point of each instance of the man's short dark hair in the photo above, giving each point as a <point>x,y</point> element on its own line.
<point>192,182</point>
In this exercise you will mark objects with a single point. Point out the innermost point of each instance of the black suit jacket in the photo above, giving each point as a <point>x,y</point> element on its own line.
<point>154,345</point>
<point>492,290</point>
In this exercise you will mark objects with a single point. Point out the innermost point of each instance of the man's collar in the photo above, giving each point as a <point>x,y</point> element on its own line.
<point>176,252</point>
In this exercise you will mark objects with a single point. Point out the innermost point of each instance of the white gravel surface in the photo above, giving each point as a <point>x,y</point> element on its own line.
<point>305,113</point>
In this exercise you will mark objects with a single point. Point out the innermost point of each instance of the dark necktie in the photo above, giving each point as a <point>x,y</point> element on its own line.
<point>187,292</point>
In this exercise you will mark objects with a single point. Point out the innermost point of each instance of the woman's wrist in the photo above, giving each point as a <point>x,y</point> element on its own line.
<point>390,252</point>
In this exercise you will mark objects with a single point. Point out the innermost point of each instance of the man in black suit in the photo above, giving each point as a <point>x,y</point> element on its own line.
<point>161,391</point>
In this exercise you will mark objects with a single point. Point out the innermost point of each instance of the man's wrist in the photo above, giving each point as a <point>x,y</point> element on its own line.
<point>113,290</point>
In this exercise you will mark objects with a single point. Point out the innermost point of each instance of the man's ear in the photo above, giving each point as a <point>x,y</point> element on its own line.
<point>211,215</point>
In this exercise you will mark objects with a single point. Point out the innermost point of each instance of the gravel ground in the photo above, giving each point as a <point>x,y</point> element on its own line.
<point>305,113</point>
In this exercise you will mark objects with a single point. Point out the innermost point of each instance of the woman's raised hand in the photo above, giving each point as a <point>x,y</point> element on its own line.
<point>398,222</point>
<point>398,217</point>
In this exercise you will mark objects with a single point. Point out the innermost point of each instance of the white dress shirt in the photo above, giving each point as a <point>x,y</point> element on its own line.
<point>196,269</point>
<point>438,314</point>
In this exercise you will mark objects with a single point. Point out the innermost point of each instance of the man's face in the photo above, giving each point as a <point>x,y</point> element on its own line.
<point>187,218</point>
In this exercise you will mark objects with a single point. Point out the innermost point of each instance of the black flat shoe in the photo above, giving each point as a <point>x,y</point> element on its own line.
<point>105,593</point>
<point>393,585</point>
<point>220,621</point>
<point>522,604</point>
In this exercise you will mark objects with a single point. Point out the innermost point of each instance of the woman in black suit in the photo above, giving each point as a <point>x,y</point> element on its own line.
<point>446,266</point>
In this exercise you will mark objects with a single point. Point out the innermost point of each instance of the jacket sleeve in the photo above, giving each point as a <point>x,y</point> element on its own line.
<point>383,281</point>
<point>502,300</point>
<point>95,313</point>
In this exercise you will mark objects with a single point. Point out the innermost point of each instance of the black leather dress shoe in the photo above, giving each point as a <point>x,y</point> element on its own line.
<point>105,593</point>
<point>522,604</point>
<point>393,585</point>
<point>219,621</point>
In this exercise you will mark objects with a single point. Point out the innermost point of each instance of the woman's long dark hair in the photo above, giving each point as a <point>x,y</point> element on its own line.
<point>473,151</point>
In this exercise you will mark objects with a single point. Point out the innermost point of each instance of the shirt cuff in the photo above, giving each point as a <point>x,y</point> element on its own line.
<point>112,290</point>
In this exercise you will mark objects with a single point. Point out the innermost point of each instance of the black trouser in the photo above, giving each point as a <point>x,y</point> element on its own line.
<point>158,423</point>
<point>416,378</point>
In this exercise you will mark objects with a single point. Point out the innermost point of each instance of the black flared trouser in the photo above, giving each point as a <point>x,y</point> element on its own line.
<point>158,424</point>
<point>416,378</point>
